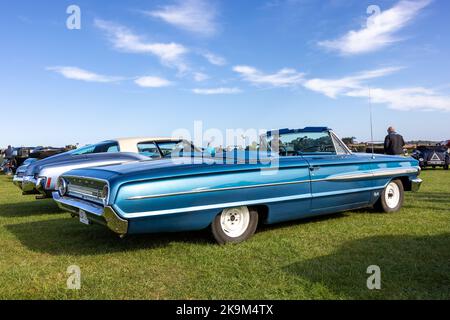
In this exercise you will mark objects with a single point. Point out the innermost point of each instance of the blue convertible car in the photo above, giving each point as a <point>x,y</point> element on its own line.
<point>308,172</point>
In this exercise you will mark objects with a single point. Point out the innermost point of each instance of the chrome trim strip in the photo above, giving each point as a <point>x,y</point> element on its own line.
<point>350,176</point>
<point>214,206</point>
<point>333,193</point>
<point>338,177</point>
<point>216,189</point>
<point>243,203</point>
<point>377,173</point>
<point>394,171</point>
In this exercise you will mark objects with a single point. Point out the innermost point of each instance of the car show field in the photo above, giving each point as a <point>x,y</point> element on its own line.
<point>318,258</point>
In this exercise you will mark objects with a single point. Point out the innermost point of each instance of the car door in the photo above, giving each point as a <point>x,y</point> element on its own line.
<point>340,180</point>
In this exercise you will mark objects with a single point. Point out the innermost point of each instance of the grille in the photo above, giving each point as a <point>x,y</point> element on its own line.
<point>86,189</point>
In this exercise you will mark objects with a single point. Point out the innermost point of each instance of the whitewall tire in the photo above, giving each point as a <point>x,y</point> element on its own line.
<point>391,199</point>
<point>234,225</point>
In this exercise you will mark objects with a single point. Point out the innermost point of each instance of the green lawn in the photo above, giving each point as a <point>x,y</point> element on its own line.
<point>322,258</point>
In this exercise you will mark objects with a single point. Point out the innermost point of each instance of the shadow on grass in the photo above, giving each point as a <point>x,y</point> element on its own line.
<point>412,267</point>
<point>29,208</point>
<point>67,236</point>
<point>441,197</point>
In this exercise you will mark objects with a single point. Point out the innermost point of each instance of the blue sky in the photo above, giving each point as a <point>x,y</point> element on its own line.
<point>145,68</point>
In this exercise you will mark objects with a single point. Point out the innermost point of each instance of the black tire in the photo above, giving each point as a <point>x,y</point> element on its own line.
<point>388,202</point>
<point>223,236</point>
<point>446,167</point>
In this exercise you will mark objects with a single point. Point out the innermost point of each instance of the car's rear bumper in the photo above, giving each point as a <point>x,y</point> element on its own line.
<point>415,184</point>
<point>433,163</point>
<point>95,213</point>
<point>30,184</point>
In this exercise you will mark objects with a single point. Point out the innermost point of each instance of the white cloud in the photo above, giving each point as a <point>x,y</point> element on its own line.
<point>283,78</point>
<point>379,31</point>
<point>170,54</point>
<point>406,99</point>
<point>196,16</point>
<point>152,82</point>
<point>76,73</point>
<point>333,87</point>
<point>212,91</point>
<point>214,59</point>
<point>199,76</point>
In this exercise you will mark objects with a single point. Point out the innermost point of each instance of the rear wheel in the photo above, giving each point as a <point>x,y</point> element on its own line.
<point>234,225</point>
<point>391,199</point>
<point>446,167</point>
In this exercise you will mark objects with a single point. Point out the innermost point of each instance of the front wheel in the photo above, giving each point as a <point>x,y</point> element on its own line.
<point>391,199</point>
<point>234,225</point>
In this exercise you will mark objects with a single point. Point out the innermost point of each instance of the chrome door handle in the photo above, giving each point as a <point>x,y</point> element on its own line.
<point>314,168</point>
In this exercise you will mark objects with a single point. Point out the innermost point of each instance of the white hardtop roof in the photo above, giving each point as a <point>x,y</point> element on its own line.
<point>143,139</point>
<point>130,144</point>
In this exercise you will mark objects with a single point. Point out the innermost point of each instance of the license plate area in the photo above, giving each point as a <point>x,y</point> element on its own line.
<point>83,217</point>
<point>436,162</point>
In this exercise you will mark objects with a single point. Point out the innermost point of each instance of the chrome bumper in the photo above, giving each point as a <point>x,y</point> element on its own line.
<point>18,181</point>
<point>415,184</point>
<point>95,213</point>
<point>31,184</point>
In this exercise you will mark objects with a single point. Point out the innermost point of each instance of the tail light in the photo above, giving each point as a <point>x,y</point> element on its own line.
<point>48,183</point>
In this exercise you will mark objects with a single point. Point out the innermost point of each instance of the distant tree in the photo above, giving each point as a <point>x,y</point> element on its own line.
<point>349,140</point>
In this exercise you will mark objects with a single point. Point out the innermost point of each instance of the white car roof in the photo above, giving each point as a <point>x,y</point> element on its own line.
<point>130,144</point>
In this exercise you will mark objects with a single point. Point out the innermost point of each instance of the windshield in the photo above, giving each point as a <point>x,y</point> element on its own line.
<point>106,146</point>
<point>296,143</point>
<point>176,148</point>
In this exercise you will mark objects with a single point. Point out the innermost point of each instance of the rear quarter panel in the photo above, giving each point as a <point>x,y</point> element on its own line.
<point>390,164</point>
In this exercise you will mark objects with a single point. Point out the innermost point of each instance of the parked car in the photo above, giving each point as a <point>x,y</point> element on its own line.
<point>45,152</point>
<point>311,173</point>
<point>446,143</point>
<point>432,156</point>
<point>21,154</point>
<point>20,172</point>
<point>42,176</point>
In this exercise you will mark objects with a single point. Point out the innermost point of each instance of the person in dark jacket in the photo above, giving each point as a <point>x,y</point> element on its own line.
<point>393,143</point>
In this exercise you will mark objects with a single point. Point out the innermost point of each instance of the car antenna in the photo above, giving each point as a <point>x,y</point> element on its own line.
<point>371,124</point>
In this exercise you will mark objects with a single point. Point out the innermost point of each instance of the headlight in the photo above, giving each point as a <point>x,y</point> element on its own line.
<point>421,159</point>
<point>62,186</point>
<point>105,194</point>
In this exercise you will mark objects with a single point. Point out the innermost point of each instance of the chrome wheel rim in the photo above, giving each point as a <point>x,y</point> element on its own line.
<point>392,195</point>
<point>235,221</point>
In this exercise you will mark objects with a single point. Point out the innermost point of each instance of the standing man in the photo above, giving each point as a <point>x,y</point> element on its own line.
<point>9,153</point>
<point>393,143</point>
<point>8,156</point>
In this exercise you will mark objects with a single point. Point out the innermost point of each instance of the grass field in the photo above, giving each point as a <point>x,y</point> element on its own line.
<point>322,258</point>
